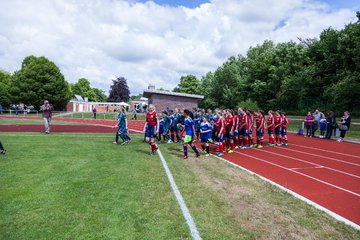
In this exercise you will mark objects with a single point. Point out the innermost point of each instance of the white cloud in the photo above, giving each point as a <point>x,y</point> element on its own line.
<point>148,43</point>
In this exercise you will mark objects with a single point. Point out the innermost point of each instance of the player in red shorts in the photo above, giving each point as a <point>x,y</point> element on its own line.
<point>278,124</point>
<point>285,122</point>
<point>244,129</point>
<point>260,128</point>
<point>271,128</point>
<point>151,128</point>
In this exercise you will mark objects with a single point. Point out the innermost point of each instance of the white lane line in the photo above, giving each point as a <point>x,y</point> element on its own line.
<point>316,155</point>
<point>323,150</point>
<point>298,196</point>
<point>300,173</point>
<point>185,211</point>
<point>305,168</point>
<point>315,164</point>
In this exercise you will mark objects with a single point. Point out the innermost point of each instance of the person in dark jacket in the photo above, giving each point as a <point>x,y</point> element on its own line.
<point>2,149</point>
<point>331,122</point>
<point>344,125</point>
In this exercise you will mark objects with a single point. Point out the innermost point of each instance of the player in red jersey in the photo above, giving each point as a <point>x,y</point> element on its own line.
<point>236,128</point>
<point>244,129</point>
<point>271,128</point>
<point>151,128</point>
<point>220,131</point>
<point>278,124</point>
<point>285,122</point>
<point>260,128</point>
<point>251,127</point>
<point>229,131</point>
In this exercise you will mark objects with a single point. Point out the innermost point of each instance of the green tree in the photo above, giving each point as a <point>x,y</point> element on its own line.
<point>100,95</point>
<point>5,84</point>
<point>188,84</point>
<point>39,79</point>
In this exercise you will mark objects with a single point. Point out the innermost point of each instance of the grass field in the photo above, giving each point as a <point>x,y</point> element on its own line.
<point>80,186</point>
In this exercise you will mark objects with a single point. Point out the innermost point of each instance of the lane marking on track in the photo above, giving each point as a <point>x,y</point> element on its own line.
<point>315,164</point>
<point>300,173</point>
<point>185,211</point>
<point>316,155</point>
<point>305,168</point>
<point>345,154</point>
<point>308,201</point>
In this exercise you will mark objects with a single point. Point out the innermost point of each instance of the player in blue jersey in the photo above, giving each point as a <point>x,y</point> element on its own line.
<point>122,131</point>
<point>161,129</point>
<point>206,132</point>
<point>167,125</point>
<point>176,121</point>
<point>189,125</point>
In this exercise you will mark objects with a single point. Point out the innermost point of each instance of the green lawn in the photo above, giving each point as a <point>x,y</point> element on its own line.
<point>80,186</point>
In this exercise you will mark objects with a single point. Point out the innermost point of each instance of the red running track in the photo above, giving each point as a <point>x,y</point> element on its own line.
<point>323,171</point>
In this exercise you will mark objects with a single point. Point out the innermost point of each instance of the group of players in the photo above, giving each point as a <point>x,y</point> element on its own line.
<point>229,129</point>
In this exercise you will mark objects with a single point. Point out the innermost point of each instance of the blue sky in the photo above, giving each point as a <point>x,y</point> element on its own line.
<point>157,42</point>
<point>335,4</point>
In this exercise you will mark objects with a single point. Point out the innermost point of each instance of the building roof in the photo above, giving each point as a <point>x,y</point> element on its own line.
<point>148,93</point>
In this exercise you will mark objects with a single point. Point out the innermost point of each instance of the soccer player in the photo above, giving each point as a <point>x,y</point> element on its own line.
<point>151,128</point>
<point>197,122</point>
<point>285,122</point>
<point>271,128</point>
<point>2,149</point>
<point>167,125</point>
<point>244,129</point>
<point>190,131</point>
<point>278,124</point>
<point>161,129</point>
<point>260,128</point>
<point>229,131</point>
<point>220,131</point>
<point>236,129</point>
<point>122,128</point>
<point>251,127</point>
<point>206,131</point>
<point>175,129</point>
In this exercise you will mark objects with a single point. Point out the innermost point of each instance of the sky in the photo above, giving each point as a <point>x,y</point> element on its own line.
<point>157,41</point>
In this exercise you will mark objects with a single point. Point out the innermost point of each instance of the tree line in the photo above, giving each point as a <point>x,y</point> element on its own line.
<point>40,79</point>
<point>295,77</point>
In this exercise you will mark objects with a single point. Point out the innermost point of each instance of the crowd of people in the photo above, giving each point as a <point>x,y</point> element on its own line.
<point>228,129</point>
<point>327,124</point>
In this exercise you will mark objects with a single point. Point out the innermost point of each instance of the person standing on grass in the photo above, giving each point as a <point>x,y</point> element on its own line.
<point>317,117</point>
<point>46,110</point>
<point>151,128</point>
<point>344,125</point>
<point>322,124</point>
<point>122,126</point>
<point>330,124</point>
<point>220,131</point>
<point>189,125</point>
<point>167,124</point>
<point>206,132</point>
<point>309,121</point>
<point>94,112</point>
<point>2,149</point>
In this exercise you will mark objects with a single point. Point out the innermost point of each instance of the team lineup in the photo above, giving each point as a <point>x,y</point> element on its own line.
<point>228,129</point>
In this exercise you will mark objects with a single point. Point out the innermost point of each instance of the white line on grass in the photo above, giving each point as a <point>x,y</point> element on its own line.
<point>308,201</point>
<point>185,211</point>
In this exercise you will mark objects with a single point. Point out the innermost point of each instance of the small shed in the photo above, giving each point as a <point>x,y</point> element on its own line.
<point>163,100</point>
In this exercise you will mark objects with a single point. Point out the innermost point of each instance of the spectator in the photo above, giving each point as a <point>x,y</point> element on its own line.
<point>330,124</point>
<point>309,121</point>
<point>25,110</point>
<point>17,110</point>
<point>94,112</point>
<point>344,125</point>
<point>133,117</point>
<point>322,127</point>
<point>47,114</point>
<point>317,117</point>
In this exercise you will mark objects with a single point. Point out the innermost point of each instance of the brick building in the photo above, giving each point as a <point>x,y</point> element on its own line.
<point>165,99</point>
